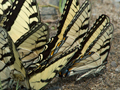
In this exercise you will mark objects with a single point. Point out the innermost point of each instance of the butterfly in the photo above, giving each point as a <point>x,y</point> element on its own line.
<point>11,68</point>
<point>22,33</point>
<point>55,56</point>
<point>72,27</point>
<point>23,23</point>
<point>91,58</point>
<point>59,50</point>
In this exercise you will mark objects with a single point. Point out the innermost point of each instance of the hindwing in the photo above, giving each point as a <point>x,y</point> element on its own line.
<point>10,64</point>
<point>95,47</point>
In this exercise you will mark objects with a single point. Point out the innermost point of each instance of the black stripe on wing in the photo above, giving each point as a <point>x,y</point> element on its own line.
<point>43,74</point>
<point>22,17</point>
<point>10,62</point>
<point>94,58</point>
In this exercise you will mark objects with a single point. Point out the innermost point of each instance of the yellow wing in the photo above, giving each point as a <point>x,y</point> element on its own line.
<point>22,17</point>
<point>95,47</point>
<point>32,43</point>
<point>19,12</point>
<point>70,7</point>
<point>24,25</point>
<point>11,67</point>
<point>73,23</point>
<point>77,28</point>
<point>47,68</point>
<point>43,74</point>
<point>75,18</point>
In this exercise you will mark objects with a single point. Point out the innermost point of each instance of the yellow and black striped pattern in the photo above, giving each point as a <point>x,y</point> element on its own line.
<point>51,64</point>
<point>92,55</point>
<point>70,36</point>
<point>10,65</point>
<point>41,76</point>
<point>75,49</point>
<point>24,25</point>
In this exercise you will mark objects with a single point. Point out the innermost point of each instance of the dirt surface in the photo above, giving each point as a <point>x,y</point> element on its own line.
<point>110,79</point>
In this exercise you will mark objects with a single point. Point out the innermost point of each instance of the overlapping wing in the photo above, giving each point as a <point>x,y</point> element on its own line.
<point>11,67</point>
<point>24,25</point>
<point>78,49</point>
<point>71,29</point>
<point>43,74</point>
<point>95,47</point>
<point>49,66</point>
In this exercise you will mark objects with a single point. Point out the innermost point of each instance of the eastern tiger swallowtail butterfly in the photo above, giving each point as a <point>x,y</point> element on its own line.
<point>24,25</point>
<point>71,8</point>
<point>51,65</point>
<point>92,55</point>
<point>11,67</point>
<point>72,27</point>
<point>20,12</point>
<point>46,66</point>
<point>43,74</point>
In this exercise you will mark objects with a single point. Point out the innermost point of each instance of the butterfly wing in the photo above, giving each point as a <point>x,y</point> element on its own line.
<point>24,25</point>
<point>25,17</point>
<point>94,50</point>
<point>98,54</point>
<point>9,60</point>
<point>47,69</point>
<point>43,74</point>
<point>78,27</point>
<point>32,43</point>
<point>5,6</point>
<point>64,34</point>
<point>72,24</point>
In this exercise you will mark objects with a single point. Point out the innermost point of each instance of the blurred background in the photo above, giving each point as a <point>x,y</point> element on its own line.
<point>110,79</point>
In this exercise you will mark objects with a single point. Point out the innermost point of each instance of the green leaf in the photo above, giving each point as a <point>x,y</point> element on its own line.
<point>17,85</point>
<point>61,5</point>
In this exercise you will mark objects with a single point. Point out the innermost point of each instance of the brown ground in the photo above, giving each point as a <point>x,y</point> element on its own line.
<point>110,80</point>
